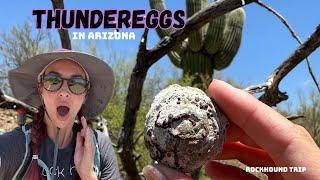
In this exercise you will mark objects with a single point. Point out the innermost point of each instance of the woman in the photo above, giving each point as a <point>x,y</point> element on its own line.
<point>66,87</point>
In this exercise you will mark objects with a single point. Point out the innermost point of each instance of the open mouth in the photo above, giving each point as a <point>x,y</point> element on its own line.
<point>63,110</point>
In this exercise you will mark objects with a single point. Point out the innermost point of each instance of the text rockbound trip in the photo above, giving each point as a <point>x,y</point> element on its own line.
<point>276,169</point>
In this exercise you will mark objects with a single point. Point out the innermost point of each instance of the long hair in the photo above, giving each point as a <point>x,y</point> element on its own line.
<point>38,134</point>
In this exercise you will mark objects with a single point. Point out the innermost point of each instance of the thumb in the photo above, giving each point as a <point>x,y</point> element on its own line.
<point>158,171</point>
<point>150,172</point>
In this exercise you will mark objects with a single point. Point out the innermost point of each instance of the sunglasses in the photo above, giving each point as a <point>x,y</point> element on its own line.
<point>53,82</point>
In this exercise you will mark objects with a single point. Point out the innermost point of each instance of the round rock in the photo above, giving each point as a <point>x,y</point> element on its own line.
<point>183,128</point>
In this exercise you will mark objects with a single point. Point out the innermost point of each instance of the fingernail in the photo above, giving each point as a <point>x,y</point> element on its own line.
<point>150,173</point>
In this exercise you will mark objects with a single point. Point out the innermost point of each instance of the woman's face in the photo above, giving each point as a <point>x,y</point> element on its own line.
<point>63,105</point>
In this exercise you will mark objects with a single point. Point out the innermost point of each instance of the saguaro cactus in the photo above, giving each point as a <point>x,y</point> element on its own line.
<point>211,47</point>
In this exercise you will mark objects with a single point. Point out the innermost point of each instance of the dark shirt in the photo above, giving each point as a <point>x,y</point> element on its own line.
<point>12,150</point>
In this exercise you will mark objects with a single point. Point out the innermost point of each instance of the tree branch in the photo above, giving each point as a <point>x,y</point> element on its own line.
<point>133,100</point>
<point>272,95</point>
<point>143,42</point>
<point>137,157</point>
<point>312,74</point>
<point>4,77</point>
<point>294,35</point>
<point>291,118</point>
<point>145,59</point>
<point>63,33</point>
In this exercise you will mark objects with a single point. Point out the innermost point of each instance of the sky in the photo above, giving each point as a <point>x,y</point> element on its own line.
<point>265,41</point>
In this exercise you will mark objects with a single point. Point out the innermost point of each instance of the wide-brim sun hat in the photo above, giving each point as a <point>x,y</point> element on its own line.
<point>24,79</point>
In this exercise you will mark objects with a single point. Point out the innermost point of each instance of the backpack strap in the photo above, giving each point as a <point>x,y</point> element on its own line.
<point>43,165</point>
<point>97,154</point>
<point>97,158</point>
<point>27,135</point>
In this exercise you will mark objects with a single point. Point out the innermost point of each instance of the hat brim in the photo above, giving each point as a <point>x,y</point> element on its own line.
<point>23,80</point>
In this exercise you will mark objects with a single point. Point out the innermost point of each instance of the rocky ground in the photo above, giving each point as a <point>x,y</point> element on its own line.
<point>7,120</point>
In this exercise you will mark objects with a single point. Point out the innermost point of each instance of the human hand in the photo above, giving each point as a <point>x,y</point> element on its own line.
<point>258,136</point>
<point>84,152</point>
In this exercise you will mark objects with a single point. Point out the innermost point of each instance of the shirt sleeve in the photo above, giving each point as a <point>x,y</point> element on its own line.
<point>109,166</point>
<point>12,149</point>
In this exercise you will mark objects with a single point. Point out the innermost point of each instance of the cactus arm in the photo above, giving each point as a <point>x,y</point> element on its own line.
<point>213,39</point>
<point>175,58</point>
<point>231,39</point>
<point>177,52</point>
<point>196,38</point>
<point>157,4</point>
<point>160,6</point>
<point>196,63</point>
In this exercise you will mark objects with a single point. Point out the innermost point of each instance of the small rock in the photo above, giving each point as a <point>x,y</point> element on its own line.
<point>184,135</point>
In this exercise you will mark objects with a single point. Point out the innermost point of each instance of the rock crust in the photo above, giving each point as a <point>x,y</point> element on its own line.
<point>184,128</point>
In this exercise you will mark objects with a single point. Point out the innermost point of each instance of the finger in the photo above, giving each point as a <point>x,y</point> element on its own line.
<point>88,142</point>
<point>150,173</point>
<point>84,122</point>
<point>248,155</point>
<point>79,141</point>
<point>84,126</point>
<point>78,149</point>
<point>234,134</point>
<point>258,121</point>
<point>217,170</point>
<point>170,173</point>
<point>82,132</point>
